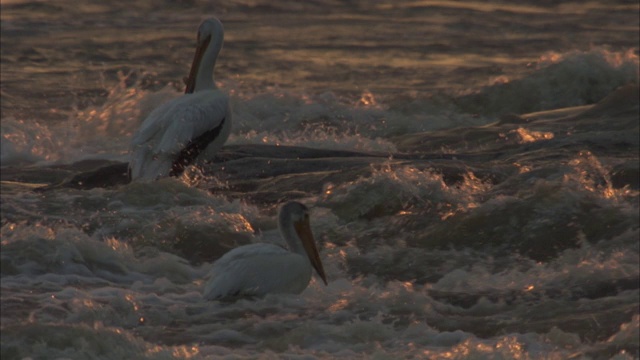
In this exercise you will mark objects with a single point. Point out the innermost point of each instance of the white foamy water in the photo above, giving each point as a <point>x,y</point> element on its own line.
<point>471,170</point>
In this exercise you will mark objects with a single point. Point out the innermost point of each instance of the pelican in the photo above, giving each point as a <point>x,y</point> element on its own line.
<point>258,269</point>
<point>191,128</point>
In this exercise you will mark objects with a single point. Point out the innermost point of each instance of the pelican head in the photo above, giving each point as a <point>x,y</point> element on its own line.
<point>208,46</point>
<point>293,221</point>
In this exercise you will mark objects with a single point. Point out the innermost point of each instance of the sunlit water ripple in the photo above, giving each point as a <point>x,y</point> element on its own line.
<point>471,170</point>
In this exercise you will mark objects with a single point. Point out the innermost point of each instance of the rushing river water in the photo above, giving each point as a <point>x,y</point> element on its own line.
<point>471,170</point>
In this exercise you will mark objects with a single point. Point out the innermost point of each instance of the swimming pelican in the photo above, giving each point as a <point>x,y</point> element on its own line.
<point>258,269</point>
<point>191,128</point>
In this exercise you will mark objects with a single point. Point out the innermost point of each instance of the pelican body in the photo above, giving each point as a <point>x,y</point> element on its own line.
<point>191,128</point>
<point>259,269</point>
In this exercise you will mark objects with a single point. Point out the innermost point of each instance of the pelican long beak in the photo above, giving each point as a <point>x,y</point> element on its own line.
<point>195,66</point>
<point>304,233</point>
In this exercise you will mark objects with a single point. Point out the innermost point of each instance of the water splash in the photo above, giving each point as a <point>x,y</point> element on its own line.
<point>557,80</point>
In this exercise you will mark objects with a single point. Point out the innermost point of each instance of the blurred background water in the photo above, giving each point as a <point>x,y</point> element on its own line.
<point>471,168</point>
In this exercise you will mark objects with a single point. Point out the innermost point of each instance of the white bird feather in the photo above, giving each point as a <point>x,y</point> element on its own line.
<point>190,128</point>
<point>258,269</point>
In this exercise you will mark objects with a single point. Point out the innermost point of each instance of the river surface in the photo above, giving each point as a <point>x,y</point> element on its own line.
<point>472,170</point>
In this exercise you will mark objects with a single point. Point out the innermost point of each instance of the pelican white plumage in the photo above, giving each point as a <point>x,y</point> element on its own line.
<point>191,128</point>
<point>259,269</point>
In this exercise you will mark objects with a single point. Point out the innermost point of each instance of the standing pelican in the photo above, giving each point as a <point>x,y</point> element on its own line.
<point>191,127</point>
<point>258,269</point>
